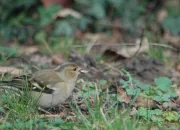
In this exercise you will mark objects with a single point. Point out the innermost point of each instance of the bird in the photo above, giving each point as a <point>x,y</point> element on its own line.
<point>50,86</point>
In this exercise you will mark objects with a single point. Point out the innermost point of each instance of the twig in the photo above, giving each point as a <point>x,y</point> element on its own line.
<point>112,44</point>
<point>25,60</point>
<point>113,68</point>
<point>40,109</point>
<point>163,45</point>
<point>88,49</point>
<point>49,115</point>
<point>104,117</point>
<point>101,110</point>
<point>127,44</point>
<point>140,44</point>
<point>97,93</point>
<point>47,46</point>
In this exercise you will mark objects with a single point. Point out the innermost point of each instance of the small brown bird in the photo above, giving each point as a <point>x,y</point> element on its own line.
<point>50,87</point>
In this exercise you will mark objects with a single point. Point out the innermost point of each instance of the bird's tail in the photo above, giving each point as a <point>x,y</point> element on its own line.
<point>11,85</point>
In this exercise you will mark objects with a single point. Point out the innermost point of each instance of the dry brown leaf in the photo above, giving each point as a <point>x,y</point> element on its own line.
<point>11,70</point>
<point>144,102</point>
<point>64,3</point>
<point>100,37</point>
<point>161,15</point>
<point>169,105</point>
<point>57,59</point>
<point>177,66</point>
<point>173,40</point>
<point>67,12</point>
<point>177,101</point>
<point>40,59</point>
<point>177,90</point>
<point>119,51</point>
<point>122,96</point>
<point>27,50</point>
<point>154,128</point>
<point>133,111</point>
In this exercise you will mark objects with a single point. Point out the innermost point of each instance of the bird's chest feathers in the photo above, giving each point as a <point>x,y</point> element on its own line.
<point>65,89</point>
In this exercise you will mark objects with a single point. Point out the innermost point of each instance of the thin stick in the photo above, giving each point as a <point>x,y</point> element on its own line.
<point>40,109</point>
<point>127,44</point>
<point>88,49</point>
<point>44,116</point>
<point>104,117</point>
<point>140,44</point>
<point>97,93</point>
<point>163,45</point>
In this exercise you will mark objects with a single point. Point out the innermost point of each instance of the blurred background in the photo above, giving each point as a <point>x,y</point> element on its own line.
<point>59,26</point>
<point>30,22</point>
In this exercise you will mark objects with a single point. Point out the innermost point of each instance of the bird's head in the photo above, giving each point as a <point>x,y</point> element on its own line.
<point>70,70</point>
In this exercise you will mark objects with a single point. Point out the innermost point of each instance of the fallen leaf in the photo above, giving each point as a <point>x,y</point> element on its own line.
<point>57,59</point>
<point>154,128</point>
<point>177,66</point>
<point>177,90</point>
<point>169,105</point>
<point>122,96</point>
<point>11,70</point>
<point>173,40</point>
<point>116,52</point>
<point>40,59</point>
<point>27,50</point>
<point>133,111</point>
<point>144,102</point>
<point>161,15</point>
<point>67,12</point>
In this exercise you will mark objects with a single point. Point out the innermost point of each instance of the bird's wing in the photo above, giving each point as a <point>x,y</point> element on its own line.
<point>46,80</point>
<point>46,77</point>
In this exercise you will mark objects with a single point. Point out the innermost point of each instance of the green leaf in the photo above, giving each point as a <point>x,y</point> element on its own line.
<point>102,82</point>
<point>171,116</point>
<point>97,10</point>
<point>40,37</point>
<point>63,28</point>
<point>172,24</point>
<point>172,93</point>
<point>90,85</point>
<point>141,85</point>
<point>83,23</point>
<point>163,98</point>
<point>89,93</point>
<point>57,121</point>
<point>133,92</point>
<point>7,52</point>
<point>125,84</point>
<point>2,110</point>
<point>6,125</point>
<point>46,14</point>
<point>163,83</point>
<point>149,114</point>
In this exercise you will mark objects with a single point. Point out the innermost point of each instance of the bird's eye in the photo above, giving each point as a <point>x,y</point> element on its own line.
<point>74,69</point>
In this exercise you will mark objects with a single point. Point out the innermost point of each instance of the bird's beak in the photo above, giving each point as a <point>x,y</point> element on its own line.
<point>83,71</point>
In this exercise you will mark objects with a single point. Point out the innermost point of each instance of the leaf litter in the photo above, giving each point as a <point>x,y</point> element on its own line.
<point>142,67</point>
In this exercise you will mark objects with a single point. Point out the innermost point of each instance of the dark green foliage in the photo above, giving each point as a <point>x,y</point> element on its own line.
<point>20,20</point>
<point>16,19</point>
<point>171,22</point>
<point>6,53</point>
